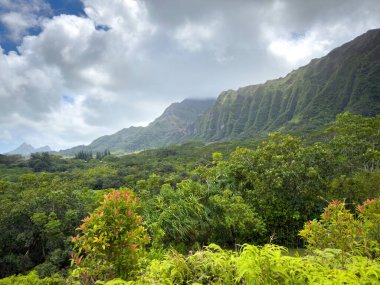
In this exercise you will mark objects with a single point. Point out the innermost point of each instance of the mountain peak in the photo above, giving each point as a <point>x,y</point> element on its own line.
<point>24,144</point>
<point>26,149</point>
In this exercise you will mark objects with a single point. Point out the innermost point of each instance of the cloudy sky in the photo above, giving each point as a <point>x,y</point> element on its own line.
<point>71,71</point>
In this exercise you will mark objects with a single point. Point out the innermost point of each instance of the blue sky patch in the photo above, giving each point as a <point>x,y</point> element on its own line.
<point>297,36</point>
<point>68,99</point>
<point>70,7</point>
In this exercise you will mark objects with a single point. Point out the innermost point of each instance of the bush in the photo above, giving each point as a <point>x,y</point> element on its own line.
<point>111,240</point>
<point>339,228</point>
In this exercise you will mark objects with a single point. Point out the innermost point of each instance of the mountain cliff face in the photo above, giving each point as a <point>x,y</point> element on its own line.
<point>347,79</point>
<point>167,129</point>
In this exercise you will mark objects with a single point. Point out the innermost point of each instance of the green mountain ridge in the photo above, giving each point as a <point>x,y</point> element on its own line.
<point>167,129</point>
<point>306,99</point>
<point>347,79</point>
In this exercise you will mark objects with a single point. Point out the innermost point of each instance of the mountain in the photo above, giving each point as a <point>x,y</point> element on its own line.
<point>45,148</point>
<point>27,149</point>
<point>346,79</point>
<point>167,129</point>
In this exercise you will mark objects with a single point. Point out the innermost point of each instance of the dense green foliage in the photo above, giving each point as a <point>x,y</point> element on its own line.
<point>258,265</point>
<point>194,195</point>
<point>38,214</point>
<point>32,279</point>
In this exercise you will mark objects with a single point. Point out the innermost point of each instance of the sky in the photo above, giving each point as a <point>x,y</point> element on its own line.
<point>71,71</point>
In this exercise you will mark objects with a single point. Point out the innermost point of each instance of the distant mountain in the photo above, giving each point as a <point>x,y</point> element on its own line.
<point>27,149</point>
<point>167,129</point>
<point>347,79</point>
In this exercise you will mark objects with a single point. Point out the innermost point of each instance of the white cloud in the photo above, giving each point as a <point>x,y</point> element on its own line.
<point>204,36</point>
<point>27,89</point>
<point>300,49</point>
<point>19,16</point>
<point>311,32</point>
<point>95,74</point>
<point>194,37</point>
<point>128,19</point>
<point>29,6</point>
<point>18,24</point>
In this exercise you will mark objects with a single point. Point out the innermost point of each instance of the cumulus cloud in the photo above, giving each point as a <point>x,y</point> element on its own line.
<point>123,61</point>
<point>18,24</point>
<point>72,56</point>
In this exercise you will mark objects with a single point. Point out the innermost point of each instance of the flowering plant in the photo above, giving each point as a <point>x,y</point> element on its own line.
<point>111,239</point>
<point>339,228</point>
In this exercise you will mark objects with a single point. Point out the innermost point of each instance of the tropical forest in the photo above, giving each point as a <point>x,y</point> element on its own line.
<point>272,183</point>
<point>282,210</point>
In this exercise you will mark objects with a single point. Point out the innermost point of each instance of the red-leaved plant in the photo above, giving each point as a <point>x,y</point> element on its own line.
<point>110,240</point>
<point>338,228</point>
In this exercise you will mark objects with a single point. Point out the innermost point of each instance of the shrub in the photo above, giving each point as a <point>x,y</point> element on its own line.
<point>111,240</point>
<point>339,228</point>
